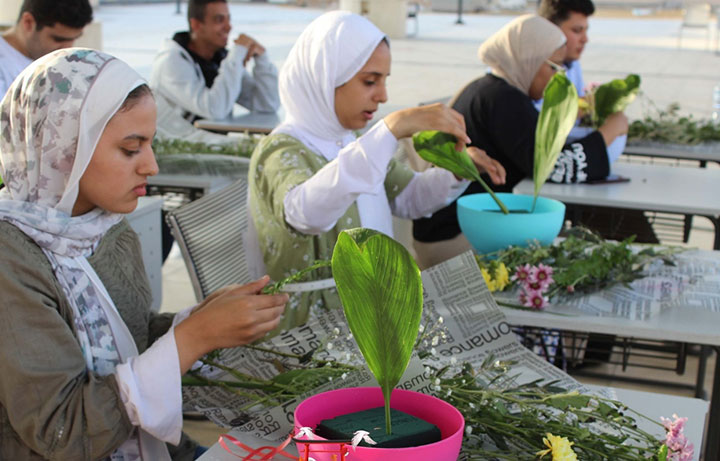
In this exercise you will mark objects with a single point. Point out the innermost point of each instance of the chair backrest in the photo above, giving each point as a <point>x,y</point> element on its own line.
<point>210,234</point>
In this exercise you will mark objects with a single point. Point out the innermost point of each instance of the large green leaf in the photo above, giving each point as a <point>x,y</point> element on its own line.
<point>381,291</point>
<point>556,119</point>
<point>614,96</point>
<point>438,148</point>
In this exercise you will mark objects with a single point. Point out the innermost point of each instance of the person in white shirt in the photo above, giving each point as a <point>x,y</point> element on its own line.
<point>312,177</point>
<point>194,76</point>
<point>571,16</point>
<point>42,26</point>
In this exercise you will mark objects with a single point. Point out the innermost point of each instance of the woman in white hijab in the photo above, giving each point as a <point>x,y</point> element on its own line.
<point>88,372</point>
<point>312,177</point>
<point>501,119</point>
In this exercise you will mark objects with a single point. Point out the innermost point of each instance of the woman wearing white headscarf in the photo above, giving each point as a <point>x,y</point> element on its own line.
<point>88,372</point>
<point>312,178</point>
<point>501,119</point>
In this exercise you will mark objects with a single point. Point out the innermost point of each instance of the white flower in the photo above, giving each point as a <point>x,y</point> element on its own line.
<point>433,351</point>
<point>435,340</point>
<point>336,331</point>
<point>453,361</point>
<point>468,430</point>
<point>437,381</point>
<point>421,328</point>
<point>440,320</point>
<point>343,376</point>
<point>329,346</point>
<point>472,405</point>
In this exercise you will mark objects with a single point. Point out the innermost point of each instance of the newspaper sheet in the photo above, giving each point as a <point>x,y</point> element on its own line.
<point>472,327</point>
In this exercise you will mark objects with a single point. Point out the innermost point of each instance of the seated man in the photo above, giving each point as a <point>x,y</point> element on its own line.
<point>571,16</point>
<point>194,76</point>
<point>42,26</point>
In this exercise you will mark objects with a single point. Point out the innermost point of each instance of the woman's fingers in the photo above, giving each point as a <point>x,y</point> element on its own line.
<point>486,164</point>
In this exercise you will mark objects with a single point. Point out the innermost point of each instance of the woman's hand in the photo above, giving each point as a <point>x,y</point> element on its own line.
<point>487,164</point>
<point>615,125</point>
<point>406,122</point>
<point>232,316</point>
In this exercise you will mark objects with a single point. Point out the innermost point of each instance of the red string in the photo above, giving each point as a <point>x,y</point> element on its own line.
<point>253,452</point>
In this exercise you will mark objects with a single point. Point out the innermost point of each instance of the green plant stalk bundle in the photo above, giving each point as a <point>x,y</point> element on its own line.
<point>668,126</point>
<point>515,418</point>
<point>584,262</point>
<point>438,148</point>
<point>381,291</point>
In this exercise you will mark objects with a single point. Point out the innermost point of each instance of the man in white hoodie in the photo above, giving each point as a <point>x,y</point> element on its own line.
<point>194,76</point>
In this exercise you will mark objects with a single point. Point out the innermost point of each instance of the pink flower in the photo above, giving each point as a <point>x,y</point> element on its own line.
<point>571,288</point>
<point>522,273</point>
<point>679,447</point>
<point>535,299</point>
<point>543,275</point>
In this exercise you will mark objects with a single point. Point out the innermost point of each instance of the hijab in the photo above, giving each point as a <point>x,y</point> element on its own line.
<point>328,53</point>
<point>53,116</point>
<point>516,52</point>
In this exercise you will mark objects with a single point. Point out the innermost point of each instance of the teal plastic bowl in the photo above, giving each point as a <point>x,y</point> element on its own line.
<point>488,229</point>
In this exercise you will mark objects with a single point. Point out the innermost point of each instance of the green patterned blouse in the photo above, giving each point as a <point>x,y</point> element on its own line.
<point>279,163</point>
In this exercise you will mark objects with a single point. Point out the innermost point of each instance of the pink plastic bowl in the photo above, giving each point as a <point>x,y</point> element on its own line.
<point>431,409</point>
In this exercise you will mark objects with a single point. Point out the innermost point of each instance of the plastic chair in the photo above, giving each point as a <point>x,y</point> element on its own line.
<point>210,232</point>
<point>696,16</point>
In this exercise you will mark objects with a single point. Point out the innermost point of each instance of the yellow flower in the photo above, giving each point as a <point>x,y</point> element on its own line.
<point>560,447</point>
<point>502,277</point>
<point>488,279</point>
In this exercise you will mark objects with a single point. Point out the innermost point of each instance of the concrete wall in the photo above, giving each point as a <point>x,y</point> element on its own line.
<point>389,15</point>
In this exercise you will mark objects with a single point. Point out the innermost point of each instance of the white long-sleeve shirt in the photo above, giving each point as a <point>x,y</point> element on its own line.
<point>356,172</point>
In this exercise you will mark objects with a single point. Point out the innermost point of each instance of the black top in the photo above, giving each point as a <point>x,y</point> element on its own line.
<point>209,68</point>
<point>501,120</point>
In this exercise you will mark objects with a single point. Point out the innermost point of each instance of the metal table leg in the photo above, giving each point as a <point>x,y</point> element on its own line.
<point>712,440</point>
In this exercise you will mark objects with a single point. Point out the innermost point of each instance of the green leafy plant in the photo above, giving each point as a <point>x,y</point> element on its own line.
<point>239,147</point>
<point>583,262</point>
<point>670,126</point>
<point>612,97</point>
<point>381,291</point>
<point>556,119</point>
<point>514,418</point>
<point>438,148</point>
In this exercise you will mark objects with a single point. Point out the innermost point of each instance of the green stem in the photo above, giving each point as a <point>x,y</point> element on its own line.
<point>499,202</point>
<point>276,287</point>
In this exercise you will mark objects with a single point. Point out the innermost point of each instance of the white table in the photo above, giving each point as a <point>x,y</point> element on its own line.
<point>688,325</point>
<point>668,189</point>
<point>703,153</point>
<point>654,405</point>
<point>650,404</point>
<point>251,122</point>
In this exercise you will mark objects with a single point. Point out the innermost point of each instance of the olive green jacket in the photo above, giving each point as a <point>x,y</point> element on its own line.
<point>279,163</point>
<point>51,407</point>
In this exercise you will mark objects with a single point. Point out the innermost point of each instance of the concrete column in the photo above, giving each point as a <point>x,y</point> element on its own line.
<point>9,12</point>
<point>389,15</point>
